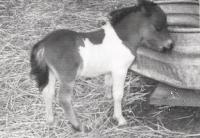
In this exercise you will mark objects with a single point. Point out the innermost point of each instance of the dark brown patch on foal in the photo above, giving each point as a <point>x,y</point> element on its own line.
<point>95,37</point>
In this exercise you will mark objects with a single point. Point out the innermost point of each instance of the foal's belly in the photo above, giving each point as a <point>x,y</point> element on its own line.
<point>95,63</point>
<point>96,69</point>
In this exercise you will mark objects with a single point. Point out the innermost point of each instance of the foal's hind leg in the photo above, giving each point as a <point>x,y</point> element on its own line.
<point>65,97</point>
<point>48,95</point>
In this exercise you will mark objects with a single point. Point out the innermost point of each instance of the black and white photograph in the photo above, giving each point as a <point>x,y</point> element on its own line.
<point>99,69</point>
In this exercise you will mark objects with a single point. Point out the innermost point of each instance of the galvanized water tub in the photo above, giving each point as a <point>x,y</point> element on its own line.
<point>180,67</point>
<point>181,12</point>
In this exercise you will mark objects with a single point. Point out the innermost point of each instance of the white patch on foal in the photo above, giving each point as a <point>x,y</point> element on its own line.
<point>105,57</point>
<point>109,56</point>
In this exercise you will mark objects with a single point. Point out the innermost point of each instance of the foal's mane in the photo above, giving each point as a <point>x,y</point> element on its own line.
<point>117,15</point>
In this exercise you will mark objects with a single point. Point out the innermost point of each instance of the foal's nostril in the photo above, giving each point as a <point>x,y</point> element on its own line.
<point>169,44</point>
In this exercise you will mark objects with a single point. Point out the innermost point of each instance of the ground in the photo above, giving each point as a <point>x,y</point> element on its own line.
<point>22,112</point>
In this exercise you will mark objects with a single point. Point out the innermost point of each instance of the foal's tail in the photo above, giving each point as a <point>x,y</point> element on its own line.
<point>39,68</point>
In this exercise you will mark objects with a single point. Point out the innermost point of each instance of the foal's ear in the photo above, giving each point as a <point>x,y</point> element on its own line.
<point>140,2</point>
<point>143,4</point>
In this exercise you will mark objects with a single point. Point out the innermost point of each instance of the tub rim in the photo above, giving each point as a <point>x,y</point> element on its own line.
<point>177,1</point>
<point>184,29</point>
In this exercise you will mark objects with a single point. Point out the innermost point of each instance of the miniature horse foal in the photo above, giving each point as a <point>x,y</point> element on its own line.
<point>65,55</point>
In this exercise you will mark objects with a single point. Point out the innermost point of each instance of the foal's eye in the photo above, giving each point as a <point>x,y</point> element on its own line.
<point>158,28</point>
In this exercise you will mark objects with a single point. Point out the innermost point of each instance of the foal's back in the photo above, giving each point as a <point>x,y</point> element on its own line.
<point>73,54</point>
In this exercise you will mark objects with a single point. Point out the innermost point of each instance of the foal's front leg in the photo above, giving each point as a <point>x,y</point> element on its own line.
<point>108,83</point>
<point>119,77</point>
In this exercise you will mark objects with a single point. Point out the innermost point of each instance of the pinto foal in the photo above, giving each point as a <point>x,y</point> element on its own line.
<point>65,55</point>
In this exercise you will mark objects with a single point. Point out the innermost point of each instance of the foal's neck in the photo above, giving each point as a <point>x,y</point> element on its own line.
<point>111,33</point>
<point>128,32</point>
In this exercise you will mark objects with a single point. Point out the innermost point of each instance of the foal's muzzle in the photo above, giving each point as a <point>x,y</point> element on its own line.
<point>168,45</point>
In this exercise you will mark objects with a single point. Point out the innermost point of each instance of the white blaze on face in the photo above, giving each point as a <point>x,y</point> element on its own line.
<point>105,57</point>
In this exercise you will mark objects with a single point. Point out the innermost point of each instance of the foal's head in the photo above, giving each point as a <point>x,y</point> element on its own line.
<point>145,23</point>
<point>153,29</point>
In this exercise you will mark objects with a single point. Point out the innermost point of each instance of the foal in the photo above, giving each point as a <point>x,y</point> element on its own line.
<point>65,55</point>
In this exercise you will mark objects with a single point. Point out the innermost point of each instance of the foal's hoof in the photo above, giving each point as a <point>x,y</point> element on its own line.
<point>50,121</point>
<point>77,128</point>
<point>121,121</point>
<point>80,128</point>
